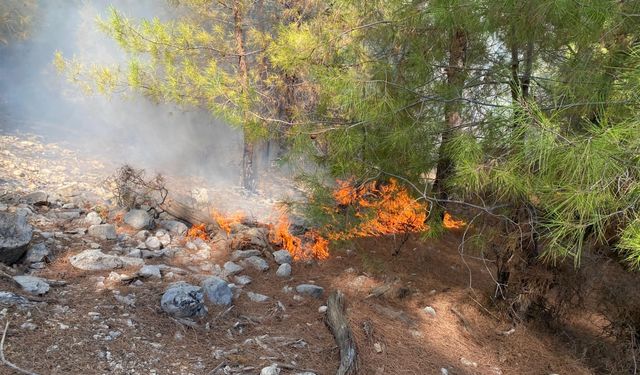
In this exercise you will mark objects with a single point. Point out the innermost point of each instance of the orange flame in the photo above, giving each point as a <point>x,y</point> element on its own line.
<point>224,222</point>
<point>198,231</point>
<point>311,245</point>
<point>384,208</point>
<point>450,223</point>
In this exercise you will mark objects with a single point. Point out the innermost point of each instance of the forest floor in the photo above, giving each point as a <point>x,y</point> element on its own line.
<point>98,324</point>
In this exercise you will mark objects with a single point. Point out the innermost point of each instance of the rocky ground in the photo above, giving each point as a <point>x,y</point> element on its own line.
<point>87,287</point>
<point>128,289</point>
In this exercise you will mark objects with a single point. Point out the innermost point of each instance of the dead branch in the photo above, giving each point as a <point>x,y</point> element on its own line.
<point>188,214</point>
<point>4,360</point>
<point>337,321</point>
<point>465,322</point>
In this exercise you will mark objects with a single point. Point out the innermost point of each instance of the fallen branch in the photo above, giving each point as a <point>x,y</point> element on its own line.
<point>4,360</point>
<point>337,321</point>
<point>188,214</point>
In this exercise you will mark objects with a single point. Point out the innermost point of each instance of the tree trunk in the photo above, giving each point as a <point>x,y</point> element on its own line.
<point>249,181</point>
<point>456,76</point>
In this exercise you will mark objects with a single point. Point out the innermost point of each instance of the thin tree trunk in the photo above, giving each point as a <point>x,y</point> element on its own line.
<point>249,181</point>
<point>456,76</point>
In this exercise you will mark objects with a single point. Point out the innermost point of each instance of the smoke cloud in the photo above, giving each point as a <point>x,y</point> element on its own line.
<point>35,99</point>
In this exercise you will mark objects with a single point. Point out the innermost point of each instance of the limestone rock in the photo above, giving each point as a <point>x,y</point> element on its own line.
<point>93,218</point>
<point>257,297</point>
<point>138,219</point>
<point>96,260</point>
<point>37,253</point>
<point>103,231</point>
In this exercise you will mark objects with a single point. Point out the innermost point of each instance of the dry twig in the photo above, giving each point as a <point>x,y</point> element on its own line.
<point>4,360</point>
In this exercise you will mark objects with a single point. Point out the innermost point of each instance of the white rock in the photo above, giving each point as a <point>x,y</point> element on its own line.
<point>243,254</point>
<point>138,219</point>
<point>310,289</point>
<point>93,218</point>
<point>322,309</point>
<point>153,243</point>
<point>271,370</point>
<point>96,260</point>
<point>430,310</point>
<point>257,297</point>
<point>37,253</point>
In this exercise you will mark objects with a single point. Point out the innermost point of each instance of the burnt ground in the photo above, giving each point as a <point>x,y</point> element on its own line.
<point>86,327</point>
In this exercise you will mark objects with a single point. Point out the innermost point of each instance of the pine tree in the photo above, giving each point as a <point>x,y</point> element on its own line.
<point>212,55</point>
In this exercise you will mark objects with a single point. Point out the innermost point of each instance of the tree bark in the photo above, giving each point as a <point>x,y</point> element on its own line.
<point>249,181</point>
<point>456,76</point>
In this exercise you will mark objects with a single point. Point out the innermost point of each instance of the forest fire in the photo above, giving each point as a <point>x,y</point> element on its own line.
<point>381,209</point>
<point>449,222</point>
<point>311,245</point>
<point>226,222</point>
<point>197,231</point>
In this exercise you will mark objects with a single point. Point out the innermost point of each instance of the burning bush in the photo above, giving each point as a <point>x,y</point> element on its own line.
<point>310,245</point>
<point>380,208</point>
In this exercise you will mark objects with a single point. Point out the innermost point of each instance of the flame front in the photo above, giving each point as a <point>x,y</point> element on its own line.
<point>381,209</point>
<point>198,231</point>
<point>225,222</point>
<point>311,245</point>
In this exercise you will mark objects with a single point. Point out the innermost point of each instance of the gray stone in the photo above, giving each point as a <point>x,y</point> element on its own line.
<point>135,253</point>
<point>68,214</point>
<point>32,284</point>
<point>11,299</point>
<point>164,237</point>
<point>138,219</point>
<point>310,290</point>
<point>153,243</point>
<point>257,297</point>
<point>282,257</point>
<point>217,291</point>
<point>232,268</point>
<point>174,226</point>
<point>271,370</point>
<point>284,270</point>
<point>183,300</point>
<point>257,263</point>
<point>142,235</point>
<point>150,271</point>
<point>37,253</point>
<point>36,198</point>
<point>242,280</point>
<point>15,235</point>
<point>103,231</point>
<point>93,218</point>
<point>96,260</point>
<point>243,254</point>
